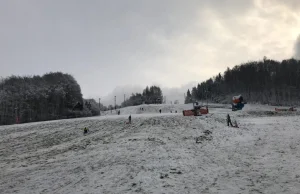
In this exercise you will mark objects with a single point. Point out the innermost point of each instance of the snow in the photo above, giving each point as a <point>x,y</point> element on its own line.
<point>157,153</point>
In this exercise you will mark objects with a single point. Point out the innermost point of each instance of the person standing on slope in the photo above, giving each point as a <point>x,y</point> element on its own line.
<point>229,121</point>
<point>85,130</point>
<point>129,119</point>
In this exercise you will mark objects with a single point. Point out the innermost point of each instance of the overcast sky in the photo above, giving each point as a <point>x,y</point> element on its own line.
<point>110,43</point>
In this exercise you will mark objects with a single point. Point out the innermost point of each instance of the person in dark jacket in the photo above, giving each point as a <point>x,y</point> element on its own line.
<point>85,130</point>
<point>129,119</point>
<point>241,99</point>
<point>229,121</point>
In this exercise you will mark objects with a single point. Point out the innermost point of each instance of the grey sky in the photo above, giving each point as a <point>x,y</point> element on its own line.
<point>111,43</point>
<point>297,48</point>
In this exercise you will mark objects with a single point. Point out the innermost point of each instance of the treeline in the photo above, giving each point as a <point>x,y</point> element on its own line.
<point>266,81</point>
<point>39,98</point>
<point>152,95</point>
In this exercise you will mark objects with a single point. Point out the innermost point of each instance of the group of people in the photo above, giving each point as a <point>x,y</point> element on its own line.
<point>228,119</point>
<point>85,130</point>
<point>170,111</point>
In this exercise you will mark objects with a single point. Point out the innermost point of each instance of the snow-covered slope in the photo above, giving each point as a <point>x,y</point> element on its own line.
<point>157,153</point>
<point>154,108</point>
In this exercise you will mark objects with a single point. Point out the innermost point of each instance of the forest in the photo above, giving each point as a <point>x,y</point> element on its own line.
<point>150,95</point>
<point>266,82</point>
<point>53,96</point>
<point>57,95</point>
<point>40,98</point>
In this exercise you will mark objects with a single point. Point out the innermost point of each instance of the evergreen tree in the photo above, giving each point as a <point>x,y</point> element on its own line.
<point>265,81</point>
<point>188,98</point>
<point>40,98</point>
<point>150,95</point>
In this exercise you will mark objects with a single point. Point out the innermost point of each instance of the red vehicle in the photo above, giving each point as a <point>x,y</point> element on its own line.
<point>196,111</point>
